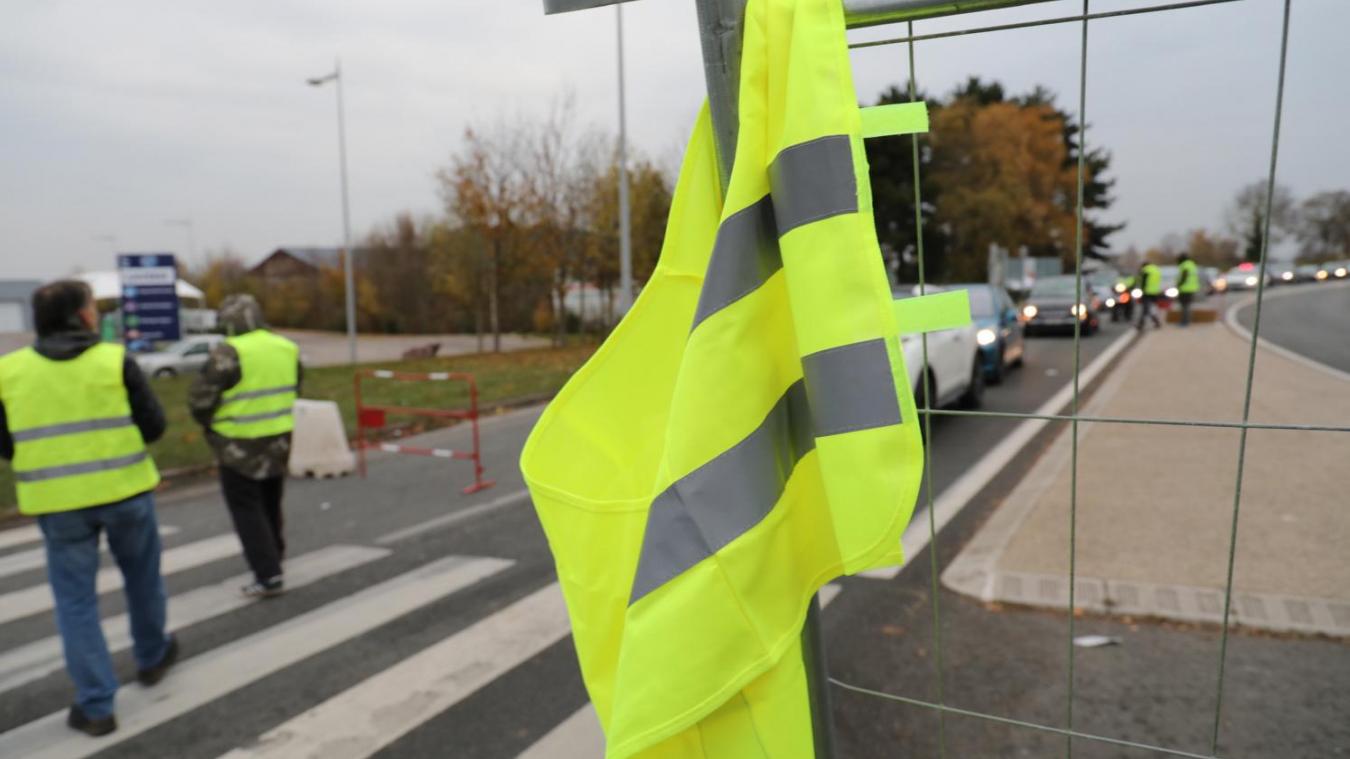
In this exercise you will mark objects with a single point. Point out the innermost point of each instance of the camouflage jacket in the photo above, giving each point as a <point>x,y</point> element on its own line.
<point>256,458</point>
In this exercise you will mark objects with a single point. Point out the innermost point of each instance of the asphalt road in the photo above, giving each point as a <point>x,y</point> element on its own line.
<point>1285,698</point>
<point>1310,320</point>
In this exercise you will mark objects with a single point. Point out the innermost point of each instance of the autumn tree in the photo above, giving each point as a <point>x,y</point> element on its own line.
<point>994,169</point>
<point>1210,249</point>
<point>222,273</point>
<point>484,188</point>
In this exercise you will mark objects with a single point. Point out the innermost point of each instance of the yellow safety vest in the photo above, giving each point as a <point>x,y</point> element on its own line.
<point>747,433</point>
<point>75,444</point>
<point>260,404</point>
<point>1189,273</point>
<point>1152,279</point>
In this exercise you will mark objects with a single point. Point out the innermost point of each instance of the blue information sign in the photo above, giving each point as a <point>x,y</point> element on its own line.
<point>149,296</point>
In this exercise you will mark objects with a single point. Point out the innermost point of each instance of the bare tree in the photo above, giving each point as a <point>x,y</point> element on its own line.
<point>1246,216</point>
<point>1324,226</point>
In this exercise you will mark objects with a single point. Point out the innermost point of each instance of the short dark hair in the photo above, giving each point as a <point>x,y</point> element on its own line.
<point>56,306</point>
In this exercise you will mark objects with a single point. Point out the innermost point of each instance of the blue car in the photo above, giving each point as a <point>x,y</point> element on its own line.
<point>999,330</point>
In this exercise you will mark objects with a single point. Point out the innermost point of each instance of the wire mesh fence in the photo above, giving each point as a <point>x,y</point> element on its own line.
<point>1074,418</point>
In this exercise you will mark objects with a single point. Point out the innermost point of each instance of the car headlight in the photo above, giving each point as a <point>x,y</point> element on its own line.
<point>1251,281</point>
<point>986,336</point>
<point>1221,284</point>
<point>1137,293</point>
<point>1321,274</point>
<point>1029,311</point>
<point>1120,288</point>
<point>1079,310</point>
<point>1287,276</point>
<point>1341,272</point>
<point>1110,302</point>
<point>1172,292</point>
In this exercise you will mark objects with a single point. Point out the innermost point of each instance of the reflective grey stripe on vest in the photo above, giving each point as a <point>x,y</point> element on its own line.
<point>264,392</point>
<point>84,467</point>
<point>810,181</point>
<point>851,388</point>
<point>711,506</point>
<point>813,181</point>
<point>744,257</point>
<point>70,428</point>
<point>246,418</point>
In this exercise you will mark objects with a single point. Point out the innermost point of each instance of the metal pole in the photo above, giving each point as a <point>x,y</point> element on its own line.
<point>625,220</point>
<point>347,253</point>
<point>720,25</point>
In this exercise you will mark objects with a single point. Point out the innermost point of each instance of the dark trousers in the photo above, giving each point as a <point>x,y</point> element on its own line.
<point>1186,299</point>
<point>255,508</point>
<point>1148,309</point>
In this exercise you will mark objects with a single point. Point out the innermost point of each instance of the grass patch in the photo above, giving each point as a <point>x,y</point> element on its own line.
<point>501,377</point>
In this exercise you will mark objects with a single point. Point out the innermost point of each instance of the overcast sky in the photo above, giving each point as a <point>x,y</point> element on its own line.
<point>115,117</point>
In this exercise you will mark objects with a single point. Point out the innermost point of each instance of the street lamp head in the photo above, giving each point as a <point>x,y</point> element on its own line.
<point>317,81</point>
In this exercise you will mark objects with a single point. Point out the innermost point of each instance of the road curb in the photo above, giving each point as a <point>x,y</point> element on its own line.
<point>1230,320</point>
<point>974,572</point>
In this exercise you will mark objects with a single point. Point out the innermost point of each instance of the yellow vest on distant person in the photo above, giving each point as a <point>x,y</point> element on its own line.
<point>1152,279</point>
<point>747,433</point>
<point>1188,275</point>
<point>260,405</point>
<point>75,444</point>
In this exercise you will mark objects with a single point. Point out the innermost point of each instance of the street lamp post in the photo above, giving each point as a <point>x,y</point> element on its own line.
<point>625,222</point>
<point>347,264</point>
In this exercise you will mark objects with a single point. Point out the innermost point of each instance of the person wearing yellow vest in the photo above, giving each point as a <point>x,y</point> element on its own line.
<point>1150,281</point>
<point>1188,284</point>
<point>243,398</point>
<point>76,415</point>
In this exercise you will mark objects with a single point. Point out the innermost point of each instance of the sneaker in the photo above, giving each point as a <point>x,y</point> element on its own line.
<point>78,720</point>
<point>156,673</point>
<point>264,589</point>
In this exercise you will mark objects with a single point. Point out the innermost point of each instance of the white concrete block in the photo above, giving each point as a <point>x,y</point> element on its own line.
<point>319,444</point>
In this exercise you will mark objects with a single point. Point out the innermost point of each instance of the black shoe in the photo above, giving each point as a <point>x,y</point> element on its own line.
<point>264,589</point>
<point>156,673</point>
<point>91,727</point>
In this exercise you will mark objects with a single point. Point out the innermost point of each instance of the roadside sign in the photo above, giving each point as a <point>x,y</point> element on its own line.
<point>149,296</point>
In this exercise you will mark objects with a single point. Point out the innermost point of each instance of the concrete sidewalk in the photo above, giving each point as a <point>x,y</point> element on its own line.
<point>1155,503</point>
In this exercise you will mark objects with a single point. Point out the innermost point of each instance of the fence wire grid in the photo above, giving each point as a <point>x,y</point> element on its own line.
<point>1074,418</point>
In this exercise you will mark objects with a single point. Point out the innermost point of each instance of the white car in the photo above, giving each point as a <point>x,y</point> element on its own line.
<point>183,357</point>
<point>955,373</point>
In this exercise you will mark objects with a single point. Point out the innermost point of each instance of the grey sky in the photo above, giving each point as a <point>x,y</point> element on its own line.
<point>116,117</point>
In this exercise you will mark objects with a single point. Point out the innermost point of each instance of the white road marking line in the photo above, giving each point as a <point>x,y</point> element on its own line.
<point>448,520</point>
<point>36,558</point>
<point>202,679</point>
<point>958,494</point>
<point>376,712</point>
<point>38,598</point>
<point>580,737</point>
<point>42,657</point>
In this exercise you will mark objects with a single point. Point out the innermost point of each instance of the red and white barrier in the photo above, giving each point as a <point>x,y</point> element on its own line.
<point>374,417</point>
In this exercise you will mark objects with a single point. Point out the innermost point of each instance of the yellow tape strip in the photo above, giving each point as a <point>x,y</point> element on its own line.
<point>931,313</point>
<point>890,120</point>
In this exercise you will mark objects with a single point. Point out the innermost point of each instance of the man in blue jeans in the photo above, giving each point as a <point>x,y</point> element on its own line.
<point>75,418</point>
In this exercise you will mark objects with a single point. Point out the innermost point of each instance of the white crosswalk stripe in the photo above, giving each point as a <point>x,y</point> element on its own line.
<point>29,533</point>
<point>38,598</point>
<point>369,716</point>
<point>36,558</point>
<point>40,658</point>
<point>579,736</point>
<point>204,678</point>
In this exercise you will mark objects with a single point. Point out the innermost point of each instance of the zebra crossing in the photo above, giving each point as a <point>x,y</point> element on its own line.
<point>366,715</point>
